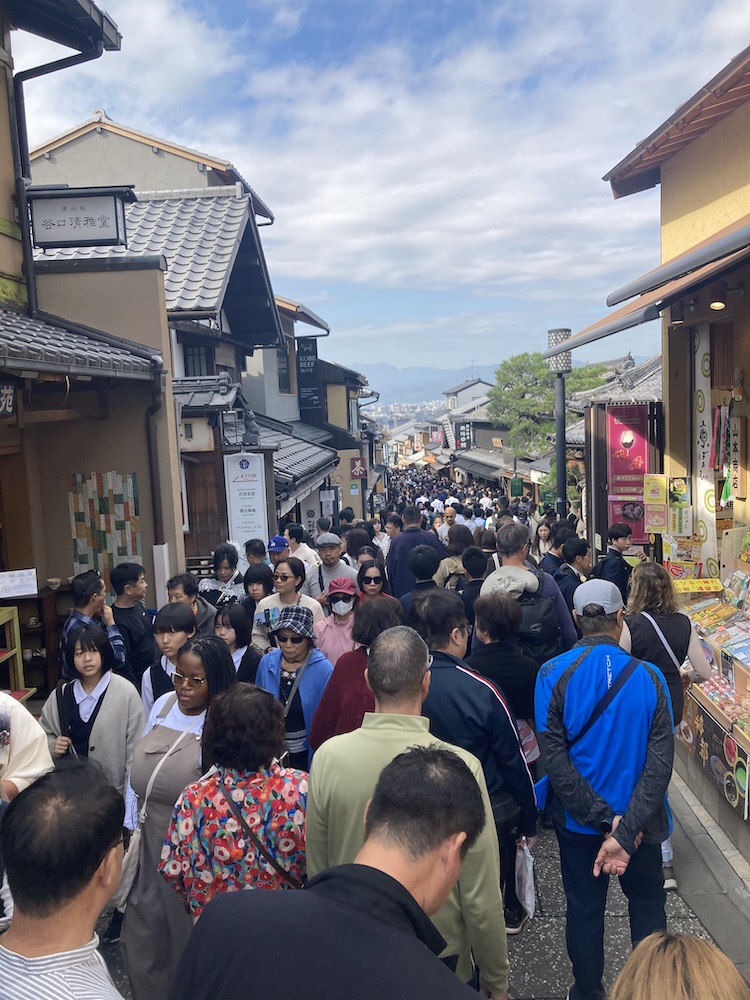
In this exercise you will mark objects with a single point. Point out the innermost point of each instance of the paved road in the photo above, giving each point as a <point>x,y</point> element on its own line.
<point>712,902</point>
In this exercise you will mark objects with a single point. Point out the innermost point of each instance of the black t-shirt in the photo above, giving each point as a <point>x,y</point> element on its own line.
<point>137,634</point>
<point>646,645</point>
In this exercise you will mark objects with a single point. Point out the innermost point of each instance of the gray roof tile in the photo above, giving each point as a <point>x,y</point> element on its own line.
<point>37,344</point>
<point>198,233</point>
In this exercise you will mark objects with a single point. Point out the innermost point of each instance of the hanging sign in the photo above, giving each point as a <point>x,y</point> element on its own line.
<point>308,374</point>
<point>737,460</point>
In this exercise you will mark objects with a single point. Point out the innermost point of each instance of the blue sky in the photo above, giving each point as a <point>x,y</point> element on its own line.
<point>434,167</point>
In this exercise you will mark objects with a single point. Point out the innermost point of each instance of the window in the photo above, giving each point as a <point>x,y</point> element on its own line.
<point>196,361</point>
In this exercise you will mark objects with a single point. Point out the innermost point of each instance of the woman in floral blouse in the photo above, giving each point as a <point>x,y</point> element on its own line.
<point>206,850</point>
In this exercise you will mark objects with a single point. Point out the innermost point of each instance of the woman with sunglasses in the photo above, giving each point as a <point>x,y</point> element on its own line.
<point>334,634</point>
<point>296,673</point>
<point>372,582</point>
<point>288,577</point>
<point>168,758</point>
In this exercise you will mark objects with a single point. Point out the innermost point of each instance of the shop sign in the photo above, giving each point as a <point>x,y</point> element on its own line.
<point>77,220</point>
<point>463,436</point>
<point>18,583</point>
<point>308,374</point>
<point>327,502</point>
<point>516,486</point>
<point>737,459</point>
<point>7,399</point>
<point>357,466</point>
<point>627,461</point>
<point>719,753</point>
<point>245,480</point>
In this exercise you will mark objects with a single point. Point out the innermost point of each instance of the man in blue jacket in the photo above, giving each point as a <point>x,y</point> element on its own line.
<point>400,577</point>
<point>604,724</point>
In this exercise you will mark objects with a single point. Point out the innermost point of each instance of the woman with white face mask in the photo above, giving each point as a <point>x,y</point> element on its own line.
<point>334,634</point>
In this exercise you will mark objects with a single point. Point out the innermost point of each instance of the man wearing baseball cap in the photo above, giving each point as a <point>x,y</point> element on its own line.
<point>319,578</point>
<point>604,723</point>
<point>333,635</point>
<point>278,549</point>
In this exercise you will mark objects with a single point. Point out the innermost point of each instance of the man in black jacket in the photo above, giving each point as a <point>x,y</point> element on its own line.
<point>561,532</point>
<point>465,708</point>
<point>400,577</point>
<point>575,570</point>
<point>361,929</point>
<point>613,566</point>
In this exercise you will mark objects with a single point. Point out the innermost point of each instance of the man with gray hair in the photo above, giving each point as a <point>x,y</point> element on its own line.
<point>343,775</point>
<point>604,722</point>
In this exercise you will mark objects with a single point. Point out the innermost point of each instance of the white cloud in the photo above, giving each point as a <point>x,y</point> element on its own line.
<point>474,173</point>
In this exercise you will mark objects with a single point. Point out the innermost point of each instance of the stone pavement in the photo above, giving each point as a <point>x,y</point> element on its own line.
<point>713,902</point>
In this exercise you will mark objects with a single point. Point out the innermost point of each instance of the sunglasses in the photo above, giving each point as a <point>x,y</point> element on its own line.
<point>373,579</point>
<point>294,639</point>
<point>341,597</point>
<point>193,682</point>
<point>282,576</point>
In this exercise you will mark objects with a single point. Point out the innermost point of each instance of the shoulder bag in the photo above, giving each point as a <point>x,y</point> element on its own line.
<point>258,843</point>
<point>541,788</point>
<point>131,861</point>
<point>662,638</point>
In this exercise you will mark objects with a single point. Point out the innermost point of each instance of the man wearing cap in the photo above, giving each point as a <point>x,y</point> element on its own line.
<point>604,723</point>
<point>318,578</point>
<point>334,634</point>
<point>278,549</point>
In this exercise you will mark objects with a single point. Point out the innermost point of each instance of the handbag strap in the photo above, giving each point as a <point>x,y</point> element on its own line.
<point>662,638</point>
<point>257,842</point>
<point>155,772</point>
<point>295,686</point>
<point>609,696</point>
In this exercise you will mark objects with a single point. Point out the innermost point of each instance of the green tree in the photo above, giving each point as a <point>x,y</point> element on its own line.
<point>523,399</point>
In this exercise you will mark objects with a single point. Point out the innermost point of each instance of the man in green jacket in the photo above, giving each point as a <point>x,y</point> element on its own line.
<point>343,776</point>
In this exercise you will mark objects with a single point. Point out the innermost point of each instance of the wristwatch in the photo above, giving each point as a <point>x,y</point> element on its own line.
<point>605,827</point>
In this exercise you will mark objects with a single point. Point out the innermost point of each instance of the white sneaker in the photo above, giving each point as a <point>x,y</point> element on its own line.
<point>670,882</point>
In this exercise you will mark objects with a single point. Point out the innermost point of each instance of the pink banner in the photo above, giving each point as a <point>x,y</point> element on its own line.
<point>627,463</point>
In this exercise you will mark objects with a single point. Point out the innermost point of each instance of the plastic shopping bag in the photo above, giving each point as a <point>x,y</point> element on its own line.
<point>525,879</point>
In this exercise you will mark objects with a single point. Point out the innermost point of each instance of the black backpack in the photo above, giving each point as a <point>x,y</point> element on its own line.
<point>539,635</point>
<point>597,573</point>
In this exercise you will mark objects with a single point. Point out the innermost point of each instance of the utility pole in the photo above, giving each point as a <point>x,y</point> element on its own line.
<point>560,365</point>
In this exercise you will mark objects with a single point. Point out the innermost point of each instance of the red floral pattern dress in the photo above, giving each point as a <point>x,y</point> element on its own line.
<point>206,852</point>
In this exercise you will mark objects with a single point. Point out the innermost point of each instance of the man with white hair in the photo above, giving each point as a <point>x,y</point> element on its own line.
<point>604,723</point>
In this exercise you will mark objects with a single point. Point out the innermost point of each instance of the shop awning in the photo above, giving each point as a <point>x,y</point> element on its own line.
<point>480,462</point>
<point>648,306</point>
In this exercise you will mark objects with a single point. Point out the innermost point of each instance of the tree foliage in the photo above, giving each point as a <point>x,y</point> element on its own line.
<point>523,399</point>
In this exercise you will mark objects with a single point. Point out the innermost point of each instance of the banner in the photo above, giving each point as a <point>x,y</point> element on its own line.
<point>627,464</point>
<point>245,479</point>
<point>308,374</point>
<point>704,520</point>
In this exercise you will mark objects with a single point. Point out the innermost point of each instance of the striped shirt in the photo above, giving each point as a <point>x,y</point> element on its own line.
<point>71,975</point>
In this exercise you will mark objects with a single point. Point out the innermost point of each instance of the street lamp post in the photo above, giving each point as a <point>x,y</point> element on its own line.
<point>560,365</point>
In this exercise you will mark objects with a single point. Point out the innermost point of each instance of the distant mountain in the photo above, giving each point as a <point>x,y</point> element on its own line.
<point>420,385</point>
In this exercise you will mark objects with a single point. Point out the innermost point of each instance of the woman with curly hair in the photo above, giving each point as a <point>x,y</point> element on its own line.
<point>657,631</point>
<point>208,849</point>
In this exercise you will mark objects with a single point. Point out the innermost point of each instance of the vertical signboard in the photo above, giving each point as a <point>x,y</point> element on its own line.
<point>704,499</point>
<point>627,464</point>
<point>245,479</point>
<point>308,374</point>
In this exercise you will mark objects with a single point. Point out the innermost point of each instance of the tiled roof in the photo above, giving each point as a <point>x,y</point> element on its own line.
<point>318,435</point>
<point>467,384</point>
<point>575,433</point>
<point>211,393</point>
<point>50,345</point>
<point>487,463</point>
<point>198,232</point>
<point>642,384</point>
<point>295,459</point>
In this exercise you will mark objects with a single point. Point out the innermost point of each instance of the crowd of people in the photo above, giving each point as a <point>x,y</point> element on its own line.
<point>378,713</point>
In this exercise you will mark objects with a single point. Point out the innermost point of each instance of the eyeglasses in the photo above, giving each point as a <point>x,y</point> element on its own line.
<point>193,682</point>
<point>282,576</point>
<point>294,639</point>
<point>373,579</point>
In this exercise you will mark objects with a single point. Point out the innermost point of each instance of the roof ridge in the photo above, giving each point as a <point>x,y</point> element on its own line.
<point>187,194</point>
